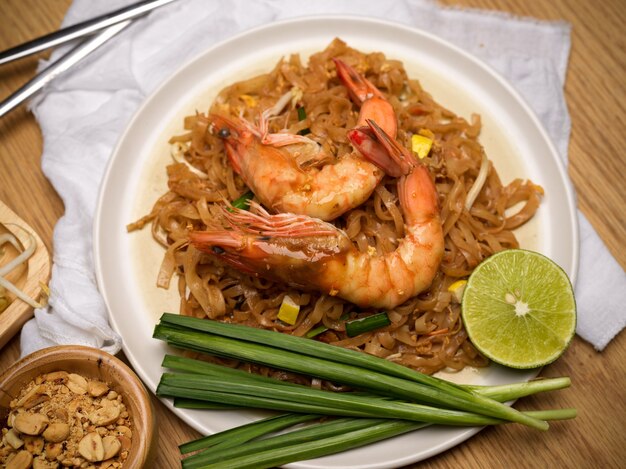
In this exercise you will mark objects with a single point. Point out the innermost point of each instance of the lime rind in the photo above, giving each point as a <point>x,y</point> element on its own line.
<point>519,309</point>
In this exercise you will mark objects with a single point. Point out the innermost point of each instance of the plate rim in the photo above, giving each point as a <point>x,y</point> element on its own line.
<point>564,179</point>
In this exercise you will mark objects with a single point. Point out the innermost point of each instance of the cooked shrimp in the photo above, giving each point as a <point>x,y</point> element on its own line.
<point>312,254</point>
<point>267,164</point>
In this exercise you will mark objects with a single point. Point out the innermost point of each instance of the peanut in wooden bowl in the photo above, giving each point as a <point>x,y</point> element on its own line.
<point>94,364</point>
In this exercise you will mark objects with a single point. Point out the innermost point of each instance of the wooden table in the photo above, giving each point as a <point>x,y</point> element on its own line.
<point>596,96</point>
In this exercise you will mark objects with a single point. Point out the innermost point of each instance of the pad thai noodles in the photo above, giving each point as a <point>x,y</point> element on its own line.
<point>310,143</point>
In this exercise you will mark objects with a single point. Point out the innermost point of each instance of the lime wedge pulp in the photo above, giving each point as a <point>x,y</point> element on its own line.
<point>519,309</point>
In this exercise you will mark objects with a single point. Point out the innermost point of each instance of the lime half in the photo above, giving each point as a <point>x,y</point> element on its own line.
<point>519,309</point>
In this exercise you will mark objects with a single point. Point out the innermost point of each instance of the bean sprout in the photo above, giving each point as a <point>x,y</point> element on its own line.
<point>177,151</point>
<point>22,257</point>
<point>478,183</point>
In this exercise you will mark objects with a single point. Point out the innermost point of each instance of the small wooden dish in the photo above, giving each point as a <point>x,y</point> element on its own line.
<point>28,278</point>
<point>96,364</point>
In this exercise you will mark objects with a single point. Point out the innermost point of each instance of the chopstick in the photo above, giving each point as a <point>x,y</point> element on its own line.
<point>104,27</point>
<point>81,29</point>
<point>65,62</point>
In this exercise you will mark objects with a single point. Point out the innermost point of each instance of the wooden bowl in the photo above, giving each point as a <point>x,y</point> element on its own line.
<point>95,364</point>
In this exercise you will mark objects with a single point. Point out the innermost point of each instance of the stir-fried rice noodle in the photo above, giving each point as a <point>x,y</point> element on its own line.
<point>426,332</point>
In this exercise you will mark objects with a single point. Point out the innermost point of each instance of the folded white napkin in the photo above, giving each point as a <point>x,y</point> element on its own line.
<point>83,113</point>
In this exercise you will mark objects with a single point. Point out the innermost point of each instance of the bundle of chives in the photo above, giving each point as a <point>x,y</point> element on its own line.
<point>297,439</point>
<point>500,393</point>
<point>316,440</point>
<point>186,332</point>
<point>322,350</point>
<point>377,416</point>
<point>227,449</point>
<point>239,435</point>
<point>280,397</point>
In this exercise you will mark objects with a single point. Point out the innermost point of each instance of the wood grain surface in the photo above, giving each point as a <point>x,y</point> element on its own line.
<point>596,97</point>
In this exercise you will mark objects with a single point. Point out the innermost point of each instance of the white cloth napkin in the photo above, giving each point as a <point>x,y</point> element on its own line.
<point>83,113</point>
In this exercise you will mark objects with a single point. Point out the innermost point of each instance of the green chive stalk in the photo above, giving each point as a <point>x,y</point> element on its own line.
<point>500,393</point>
<point>243,202</point>
<point>256,402</point>
<point>184,403</point>
<point>508,392</point>
<point>369,323</point>
<point>244,433</point>
<point>191,365</point>
<point>342,403</point>
<point>283,455</point>
<point>318,440</point>
<point>303,435</point>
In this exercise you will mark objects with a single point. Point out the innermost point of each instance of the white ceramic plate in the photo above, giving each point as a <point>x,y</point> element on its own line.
<point>127,263</point>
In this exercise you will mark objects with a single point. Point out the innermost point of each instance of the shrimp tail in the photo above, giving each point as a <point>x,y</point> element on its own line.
<point>378,147</point>
<point>359,87</point>
<point>373,151</point>
<point>373,103</point>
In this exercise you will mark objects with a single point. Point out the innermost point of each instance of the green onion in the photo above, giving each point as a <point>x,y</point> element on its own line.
<point>507,392</point>
<point>319,329</point>
<point>334,403</point>
<point>182,403</point>
<point>303,435</point>
<point>369,323</point>
<point>301,117</point>
<point>315,332</point>
<point>331,364</point>
<point>319,440</point>
<point>211,369</point>
<point>242,400</point>
<point>500,393</point>
<point>368,417</point>
<point>222,447</point>
<point>164,390</point>
<point>245,433</point>
<point>243,201</point>
<point>320,447</point>
<point>301,113</point>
